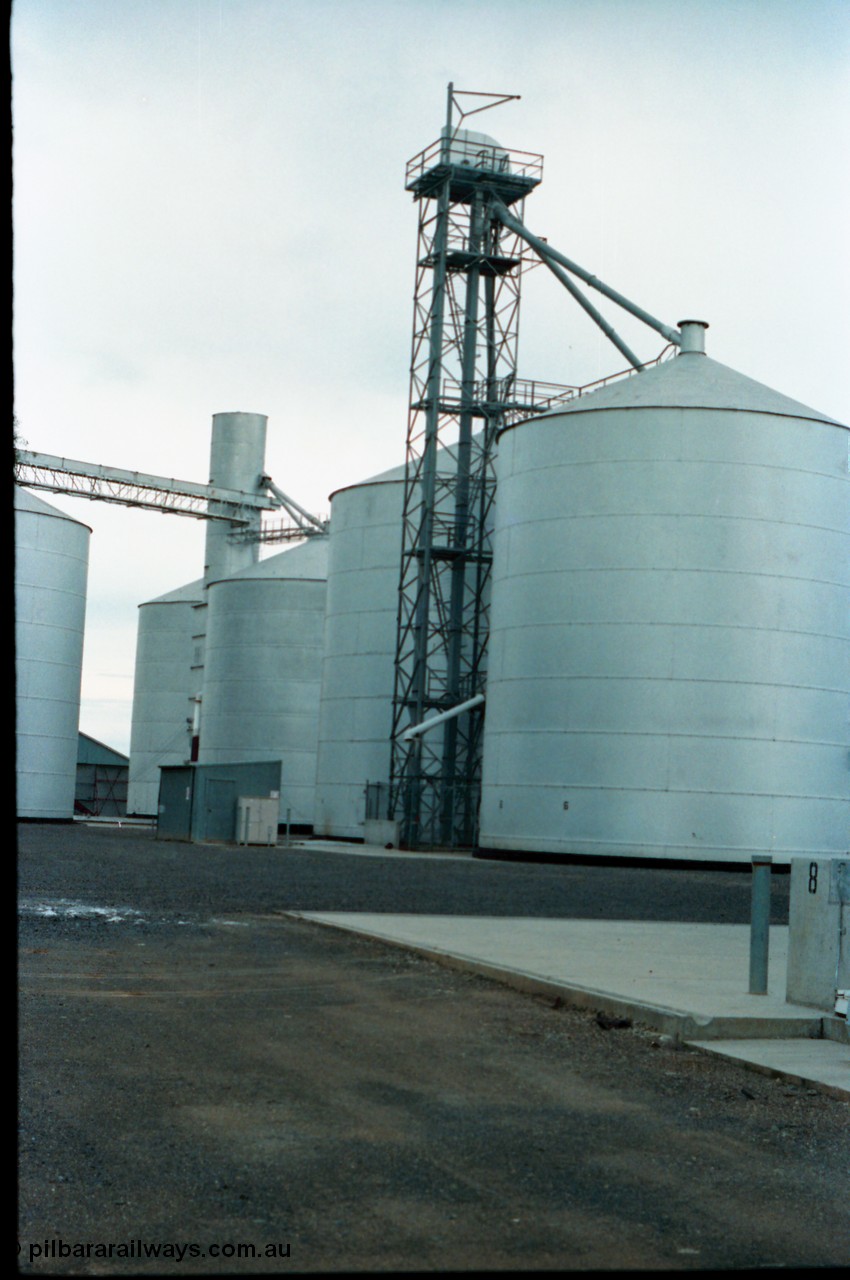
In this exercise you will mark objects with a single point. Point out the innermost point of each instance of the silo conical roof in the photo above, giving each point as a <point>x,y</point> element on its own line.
<point>307,561</point>
<point>446,462</point>
<point>190,592</point>
<point>26,501</point>
<point>383,477</point>
<point>692,381</point>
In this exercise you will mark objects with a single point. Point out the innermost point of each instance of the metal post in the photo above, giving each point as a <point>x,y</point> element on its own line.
<point>288,816</point>
<point>760,924</point>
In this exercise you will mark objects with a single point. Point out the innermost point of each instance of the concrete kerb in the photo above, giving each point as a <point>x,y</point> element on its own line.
<point>681,1027</point>
<point>778,1059</point>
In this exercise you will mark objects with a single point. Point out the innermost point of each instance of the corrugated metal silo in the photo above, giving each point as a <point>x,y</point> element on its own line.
<point>262,670</point>
<point>670,643</point>
<point>355,716</point>
<point>167,679</point>
<point>51,571</point>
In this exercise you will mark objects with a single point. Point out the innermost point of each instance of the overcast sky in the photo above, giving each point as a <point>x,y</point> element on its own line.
<point>210,215</point>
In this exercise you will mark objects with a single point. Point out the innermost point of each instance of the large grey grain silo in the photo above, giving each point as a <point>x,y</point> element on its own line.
<point>670,643</point>
<point>166,685</point>
<point>355,715</point>
<point>51,571</point>
<point>262,670</point>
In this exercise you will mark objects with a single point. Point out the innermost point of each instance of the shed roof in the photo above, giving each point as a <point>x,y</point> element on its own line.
<point>90,751</point>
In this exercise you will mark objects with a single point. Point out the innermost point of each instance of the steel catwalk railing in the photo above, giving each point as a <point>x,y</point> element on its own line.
<point>101,483</point>
<point>138,489</point>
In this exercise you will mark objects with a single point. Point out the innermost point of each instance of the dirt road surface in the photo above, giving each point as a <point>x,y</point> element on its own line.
<point>209,1090</point>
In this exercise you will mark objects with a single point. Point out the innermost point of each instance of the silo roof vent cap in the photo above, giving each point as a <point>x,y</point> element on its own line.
<point>693,337</point>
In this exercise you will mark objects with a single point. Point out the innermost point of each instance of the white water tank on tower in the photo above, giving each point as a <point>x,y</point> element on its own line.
<point>355,715</point>
<point>165,685</point>
<point>51,572</point>
<point>262,670</point>
<point>473,150</point>
<point>670,641</point>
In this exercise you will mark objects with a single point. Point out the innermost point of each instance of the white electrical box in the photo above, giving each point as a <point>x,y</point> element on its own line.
<point>257,819</point>
<point>818,946</point>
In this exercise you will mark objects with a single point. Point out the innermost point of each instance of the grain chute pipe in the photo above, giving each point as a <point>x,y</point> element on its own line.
<point>418,729</point>
<point>299,515</point>
<point>545,251</point>
<point>595,315</point>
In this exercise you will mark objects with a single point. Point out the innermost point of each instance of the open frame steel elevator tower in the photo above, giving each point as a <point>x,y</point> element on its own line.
<point>462,384</point>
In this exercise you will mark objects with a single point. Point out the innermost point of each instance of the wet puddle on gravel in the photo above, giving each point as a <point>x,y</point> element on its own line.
<point>71,909</point>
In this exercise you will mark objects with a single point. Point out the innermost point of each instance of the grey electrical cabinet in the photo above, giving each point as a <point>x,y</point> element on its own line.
<point>818,946</point>
<point>256,820</point>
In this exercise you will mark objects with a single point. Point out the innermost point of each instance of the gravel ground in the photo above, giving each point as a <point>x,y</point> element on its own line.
<point>196,1074</point>
<point>107,865</point>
